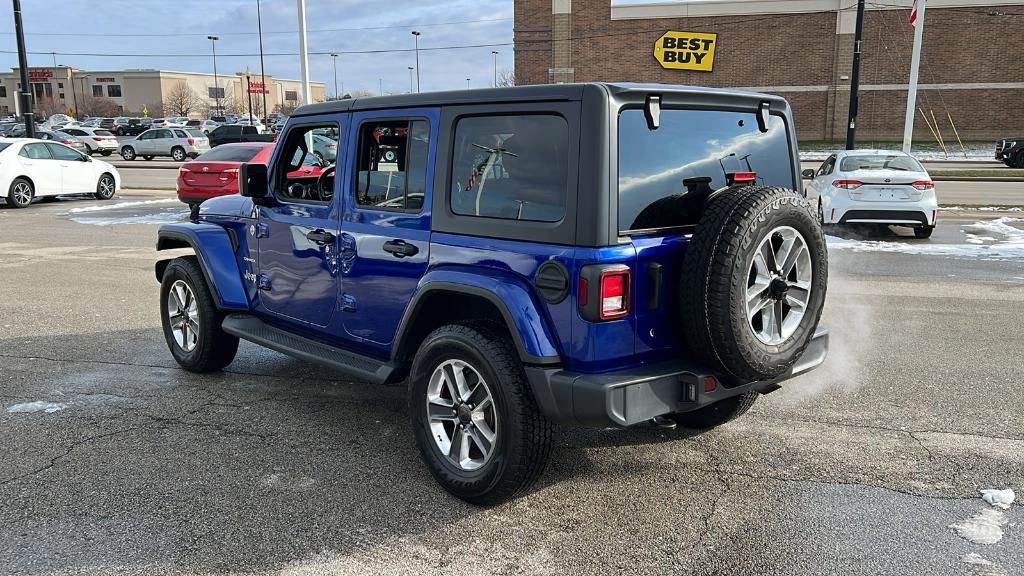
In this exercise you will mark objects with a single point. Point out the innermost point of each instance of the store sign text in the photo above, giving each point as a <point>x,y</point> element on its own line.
<point>686,50</point>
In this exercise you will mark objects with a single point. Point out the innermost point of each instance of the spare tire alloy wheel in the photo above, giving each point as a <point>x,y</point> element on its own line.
<point>461,414</point>
<point>778,285</point>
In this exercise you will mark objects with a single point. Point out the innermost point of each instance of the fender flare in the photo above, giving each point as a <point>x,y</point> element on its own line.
<point>215,249</point>
<point>529,328</point>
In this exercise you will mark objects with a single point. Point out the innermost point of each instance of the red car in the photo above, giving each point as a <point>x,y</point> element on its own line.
<point>215,173</point>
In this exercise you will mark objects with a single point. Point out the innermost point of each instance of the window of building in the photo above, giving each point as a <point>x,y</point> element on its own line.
<point>114,90</point>
<point>97,91</point>
<point>60,84</point>
<point>215,92</point>
<point>391,170</point>
<point>42,90</point>
<point>291,95</point>
<point>3,91</point>
<point>665,175</point>
<point>60,95</point>
<point>511,167</point>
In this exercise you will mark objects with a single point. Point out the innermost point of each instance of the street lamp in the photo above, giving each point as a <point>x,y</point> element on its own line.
<point>495,52</point>
<point>334,57</point>
<point>411,89</point>
<point>467,83</point>
<point>416,37</point>
<point>216,83</point>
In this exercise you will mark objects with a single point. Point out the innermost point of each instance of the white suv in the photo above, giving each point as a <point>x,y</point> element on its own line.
<point>876,187</point>
<point>178,143</point>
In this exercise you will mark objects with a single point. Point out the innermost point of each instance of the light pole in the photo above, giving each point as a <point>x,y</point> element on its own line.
<point>307,98</point>
<point>248,88</point>
<point>380,86</point>
<point>467,83</point>
<point>411,88</point>
<point>416,37</point>
<point>334,57</point>
<point>216,83</point>
<point>25,96</point>
<point>263,72</point>
<point>495,52</point>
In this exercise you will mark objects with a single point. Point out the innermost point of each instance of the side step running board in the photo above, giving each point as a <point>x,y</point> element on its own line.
<point>356,365</point>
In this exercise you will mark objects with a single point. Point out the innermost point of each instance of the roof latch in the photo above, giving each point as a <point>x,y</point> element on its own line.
<point>762,116</point>
<point>652,111</point>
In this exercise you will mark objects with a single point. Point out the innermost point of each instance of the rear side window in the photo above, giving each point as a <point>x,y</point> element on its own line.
<point>230,154</point>
<point>512,167</point>
<point>181,134</point>
<point>35,152</point>
<point>665,174</point>
<point>392,164</point>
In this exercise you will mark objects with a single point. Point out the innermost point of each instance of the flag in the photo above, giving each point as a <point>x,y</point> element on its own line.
<point>913,13</point>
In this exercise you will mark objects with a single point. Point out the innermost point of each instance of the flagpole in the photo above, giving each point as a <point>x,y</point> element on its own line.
<point>917,19</point>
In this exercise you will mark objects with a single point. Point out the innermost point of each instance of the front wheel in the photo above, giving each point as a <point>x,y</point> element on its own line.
<point>177,154</point>
<point>474,417</point>
<point>128,153</point>
<point>105,187</point>
<point>191,321</point>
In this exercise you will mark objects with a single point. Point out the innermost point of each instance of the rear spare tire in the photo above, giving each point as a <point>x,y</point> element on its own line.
<point>753,282</point>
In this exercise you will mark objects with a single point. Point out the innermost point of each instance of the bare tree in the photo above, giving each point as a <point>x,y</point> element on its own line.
<point>46,107</point>
<point>285,109</point>
<point>360,93</point>
<point>181,100</point>
<point>506,77</point>
<point>97,106</point>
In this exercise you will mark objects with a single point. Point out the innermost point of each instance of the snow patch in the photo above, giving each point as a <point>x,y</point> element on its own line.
<point>159,218</point>
<point>985,527</point>
<point>999,498</point>
<point>103,207</point>
<point>989,239</point>
<point>982,567</point>
<point>981,208</point>
<point>37,406</point>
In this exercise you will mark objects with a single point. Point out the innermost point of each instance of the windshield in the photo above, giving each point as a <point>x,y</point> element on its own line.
<point>690,154</point>
<point>881,162</point>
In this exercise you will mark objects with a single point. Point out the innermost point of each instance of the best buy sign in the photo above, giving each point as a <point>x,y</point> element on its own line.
<point>686,50</point>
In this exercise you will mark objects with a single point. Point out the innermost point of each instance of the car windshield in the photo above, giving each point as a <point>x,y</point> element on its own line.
<point>691,154</point>
<point>230,154</point>
<point>881,162</point>
<point>63,135</point>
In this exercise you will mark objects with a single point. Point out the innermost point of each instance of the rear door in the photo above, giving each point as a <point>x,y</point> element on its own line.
<point>298,235</point>
<point>385,231</point>
<point>40,166</point>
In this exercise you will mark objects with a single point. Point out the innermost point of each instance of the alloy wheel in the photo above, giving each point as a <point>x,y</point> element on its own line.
<point>461,415</point>
<point>22,193</point>
<point>183,315</point>
<point>778,285</point>
<point>106,188</point>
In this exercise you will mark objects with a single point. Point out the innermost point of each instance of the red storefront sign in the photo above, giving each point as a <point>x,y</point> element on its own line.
<point>40,74</point>
<point>257,88</point>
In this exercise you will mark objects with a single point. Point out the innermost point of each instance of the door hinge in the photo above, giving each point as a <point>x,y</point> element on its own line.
<point>261,230</point>
<point>347,303</point>
<point>263,282</point>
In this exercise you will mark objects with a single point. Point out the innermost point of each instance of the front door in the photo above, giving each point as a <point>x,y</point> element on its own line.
<point>298,235</point>
<point>76,173</point>
<point>385,233</point>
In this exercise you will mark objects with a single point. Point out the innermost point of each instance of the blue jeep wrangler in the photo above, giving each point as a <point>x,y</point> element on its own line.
<point>593,254</point>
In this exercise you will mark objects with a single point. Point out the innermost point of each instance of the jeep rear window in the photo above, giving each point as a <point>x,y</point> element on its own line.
<point>661,170</point>
<point>512,167</point>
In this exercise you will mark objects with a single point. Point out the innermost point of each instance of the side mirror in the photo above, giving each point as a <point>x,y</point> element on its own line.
<point>808,174</point>
<point>86,159</point>
<point>253,183</point>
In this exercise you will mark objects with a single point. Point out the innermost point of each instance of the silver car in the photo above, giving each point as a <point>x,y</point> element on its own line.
<point>178,143</point>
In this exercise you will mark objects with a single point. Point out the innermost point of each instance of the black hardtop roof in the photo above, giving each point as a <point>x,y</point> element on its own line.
<point>529,93</point>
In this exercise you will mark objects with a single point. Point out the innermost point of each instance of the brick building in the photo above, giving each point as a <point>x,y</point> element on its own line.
<point>971,68</point>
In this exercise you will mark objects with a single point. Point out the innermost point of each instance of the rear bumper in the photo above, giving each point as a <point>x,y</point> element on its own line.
<point>629,397</point>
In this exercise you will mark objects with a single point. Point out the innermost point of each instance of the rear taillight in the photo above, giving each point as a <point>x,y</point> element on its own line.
<point>733,178</point>
<point>614,293</point>
<point>99,138</point>
<point>191,141</point>
<point>229,174</point>
<point>68,142</point>
<point>182,171</point>
<point>847,184</point>
<point>923,185</point>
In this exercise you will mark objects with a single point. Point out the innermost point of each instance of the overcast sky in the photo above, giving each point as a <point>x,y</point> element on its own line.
<point>489,22</point>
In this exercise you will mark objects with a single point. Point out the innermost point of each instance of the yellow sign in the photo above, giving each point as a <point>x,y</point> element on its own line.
<point>145,112</point>
<point>686,50</point>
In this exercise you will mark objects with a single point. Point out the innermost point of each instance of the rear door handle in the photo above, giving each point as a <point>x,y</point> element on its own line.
<point>320,236</point>
<point>400,248</point>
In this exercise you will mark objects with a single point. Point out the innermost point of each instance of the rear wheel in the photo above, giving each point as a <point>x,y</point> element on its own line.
<point>924,231</point>
<point>20,194</point>
<point>474,416</point>
<point>105,187</point>
<point>1018,159</point>
<point>191,321</point>
<point>753,282</point>
<point>105,153</point>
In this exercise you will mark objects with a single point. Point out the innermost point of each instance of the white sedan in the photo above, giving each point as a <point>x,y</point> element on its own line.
<point>34,168</point>
<point>875,187</point>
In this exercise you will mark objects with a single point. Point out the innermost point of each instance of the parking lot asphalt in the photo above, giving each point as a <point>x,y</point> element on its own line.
<point>129,465</point>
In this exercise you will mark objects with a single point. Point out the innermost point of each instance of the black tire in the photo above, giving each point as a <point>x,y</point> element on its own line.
<point>523,438</point>
<point>147,157</point>
<point>106,153</point>
<point>178,154</point>
<point>16,193</point>
<point>214,349</point>
<point>923,232</point>
<point>716,414</point>
<point>1018,159</point>
<point>105,187</point>
<point>119,132</point>
<point>716,271</point>
<point>128,153</point>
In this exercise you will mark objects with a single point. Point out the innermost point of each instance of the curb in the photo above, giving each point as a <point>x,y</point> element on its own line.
<point>146,166</point>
